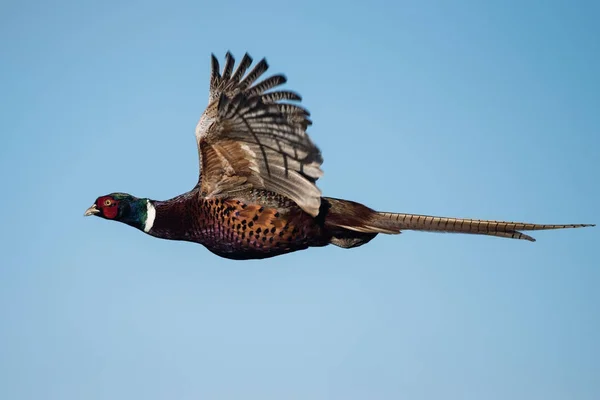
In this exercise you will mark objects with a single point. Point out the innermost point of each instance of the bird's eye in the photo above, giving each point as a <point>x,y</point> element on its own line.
<point>107,202</point>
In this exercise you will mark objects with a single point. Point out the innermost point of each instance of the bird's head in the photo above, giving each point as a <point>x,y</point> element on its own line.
<point>123,207</point>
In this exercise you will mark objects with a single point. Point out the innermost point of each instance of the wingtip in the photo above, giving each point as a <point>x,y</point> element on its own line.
<point>265,62</point>
<point>248,57</point>
<point>214,62</point>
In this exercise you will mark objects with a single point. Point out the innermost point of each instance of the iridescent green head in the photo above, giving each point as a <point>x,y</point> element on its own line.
<point>123,207</point>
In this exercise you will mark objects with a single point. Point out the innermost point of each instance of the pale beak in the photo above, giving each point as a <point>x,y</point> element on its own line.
<point>91,211</point>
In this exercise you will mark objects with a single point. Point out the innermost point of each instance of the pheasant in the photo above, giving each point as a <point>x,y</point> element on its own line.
<point>256,195</point>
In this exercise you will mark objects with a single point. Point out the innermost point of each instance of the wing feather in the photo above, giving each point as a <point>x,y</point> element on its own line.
<point>248,138</point>
<point>229,63</point>
<point>241,69</point>
<point>267,84</point>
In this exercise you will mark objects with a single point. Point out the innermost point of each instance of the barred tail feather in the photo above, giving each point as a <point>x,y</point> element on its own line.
<point>356,217</point>
<point>429,223</point>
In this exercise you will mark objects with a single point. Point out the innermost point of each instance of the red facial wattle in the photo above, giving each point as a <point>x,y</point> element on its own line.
<point>109,207</point>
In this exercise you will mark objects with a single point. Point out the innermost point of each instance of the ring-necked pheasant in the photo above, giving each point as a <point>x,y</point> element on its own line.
<point>256,196</point>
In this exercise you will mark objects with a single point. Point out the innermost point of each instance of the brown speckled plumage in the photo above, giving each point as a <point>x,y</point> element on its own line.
<point>254,224</point>
<point>257,196</point>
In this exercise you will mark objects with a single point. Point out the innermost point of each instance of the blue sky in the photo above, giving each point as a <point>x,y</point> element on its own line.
<point>470,109</point>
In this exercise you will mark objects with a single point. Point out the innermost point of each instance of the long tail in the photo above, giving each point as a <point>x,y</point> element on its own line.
<point>463,225</point>
<point>356,217</point>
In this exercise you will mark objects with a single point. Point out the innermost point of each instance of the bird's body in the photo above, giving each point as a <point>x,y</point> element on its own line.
<point>254,224</point>
<point>256,196</point>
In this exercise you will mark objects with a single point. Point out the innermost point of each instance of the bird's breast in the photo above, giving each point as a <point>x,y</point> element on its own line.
<point>234,228</point>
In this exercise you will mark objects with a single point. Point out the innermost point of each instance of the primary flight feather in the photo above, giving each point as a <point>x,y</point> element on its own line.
<point>256,195</point>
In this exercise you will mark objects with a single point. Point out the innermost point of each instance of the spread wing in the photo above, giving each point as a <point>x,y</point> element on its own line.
<point>251,136</point>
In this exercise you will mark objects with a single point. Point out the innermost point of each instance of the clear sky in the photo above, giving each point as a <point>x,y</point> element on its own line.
<point>464,109</point>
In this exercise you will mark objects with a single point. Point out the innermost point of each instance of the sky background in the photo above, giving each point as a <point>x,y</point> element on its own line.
<point>460,109</point>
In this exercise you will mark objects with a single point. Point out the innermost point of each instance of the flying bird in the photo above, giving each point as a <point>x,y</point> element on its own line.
<point>257,193</point>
